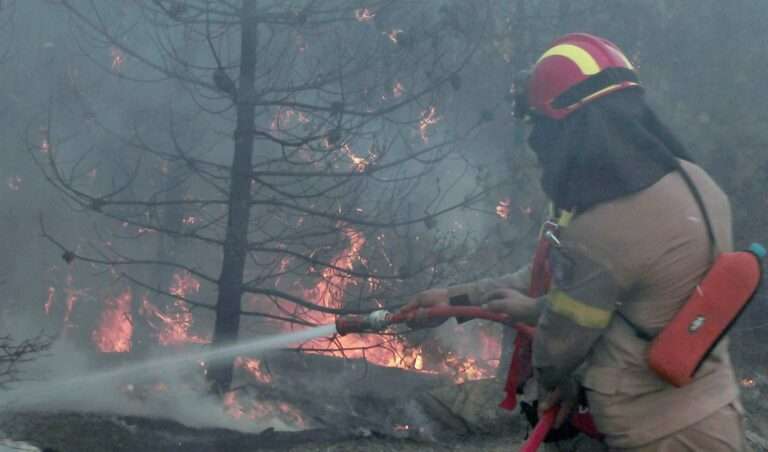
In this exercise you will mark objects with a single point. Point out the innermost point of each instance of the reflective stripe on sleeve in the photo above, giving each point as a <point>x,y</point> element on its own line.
<point>578,312</point>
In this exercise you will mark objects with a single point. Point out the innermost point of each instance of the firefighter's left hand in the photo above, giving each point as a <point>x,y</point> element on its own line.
<point>513,303</point>
<point>566,395</point>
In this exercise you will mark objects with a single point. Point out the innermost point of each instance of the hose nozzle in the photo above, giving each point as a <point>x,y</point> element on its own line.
<point>371,323</point>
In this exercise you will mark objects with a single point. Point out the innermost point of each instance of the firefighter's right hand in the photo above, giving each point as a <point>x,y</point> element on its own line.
<point>426,299</point>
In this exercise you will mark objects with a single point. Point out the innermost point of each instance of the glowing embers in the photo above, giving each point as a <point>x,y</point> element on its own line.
<point>502,208</point>
<point>398,89</point>
<point>364,15</point>
<point>50,300</point>
<point>45,145</point>
<point>254,368</point>
<point>428,119</point>
<point>394,35</point>
<point>748,382</point>
<point>118,58</point>
<point>115,329</point>
<point>359,164</point>
<point>287,119</point>
<point>190,220</point>
<point>239,405</point>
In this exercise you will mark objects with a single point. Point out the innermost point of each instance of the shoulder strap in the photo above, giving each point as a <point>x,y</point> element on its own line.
<point>697,196</point>
<point>639,332</point>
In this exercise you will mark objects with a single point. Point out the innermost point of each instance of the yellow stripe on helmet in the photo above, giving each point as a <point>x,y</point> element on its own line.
<point>578,312</point>
<point>579,56</point>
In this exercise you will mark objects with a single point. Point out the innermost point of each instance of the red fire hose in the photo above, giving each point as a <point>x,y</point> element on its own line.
<point>443,311</point>
<point>546,421</point>
<point>379,320</point>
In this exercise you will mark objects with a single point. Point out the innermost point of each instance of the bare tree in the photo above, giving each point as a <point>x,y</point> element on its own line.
<point>338,155</point>
<point>14,353</point>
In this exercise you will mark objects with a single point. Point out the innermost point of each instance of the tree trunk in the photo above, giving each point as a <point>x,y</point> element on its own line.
<point>231,279</point>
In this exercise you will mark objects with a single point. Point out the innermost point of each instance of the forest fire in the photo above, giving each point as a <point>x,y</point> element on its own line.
<point>285,119</point>
<point>45,146</point>
<point>393,35</point>
<point>364,15</point>
<point>428,118</point>
<point>502,208</point>
<point>474,355</point>
<point>253,367</point>
<point>49,301</point>
<point>748,382</point>
<point>398,89</point>
<point>113,335</point>
<point>388,351</point>
<point>172,325</point>
<point>118,58</point>
<point>359,164</point>
<point>255,410</point>
<point>225,205</point>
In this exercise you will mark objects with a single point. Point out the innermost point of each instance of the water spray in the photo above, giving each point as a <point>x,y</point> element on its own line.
<point>375,322</point>
<point>39,393</point>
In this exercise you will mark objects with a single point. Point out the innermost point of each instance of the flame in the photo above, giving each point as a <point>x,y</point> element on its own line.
<point>113,335</point>
<point>330,290</point>
<point>391,352</point>
<point>175,322</point>
<point>428,118</point>
<point>45,146</point>
<point>190,220</point>
<point>288,118</point>
<point>253,367</point>
<point>14,183</point>
<point>392,35</point>
<point>183,284</point>
<point>118,58</point>
<point>398,89</point>
<point>502,208</point>
<point>49,302</point>
<point>72,296</point>
<point>256,410</point>
<point>364,15</point>
<point>748,382</point>
<point>358,163</point>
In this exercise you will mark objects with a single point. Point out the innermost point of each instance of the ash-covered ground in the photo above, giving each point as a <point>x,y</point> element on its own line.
<point>352,411</point>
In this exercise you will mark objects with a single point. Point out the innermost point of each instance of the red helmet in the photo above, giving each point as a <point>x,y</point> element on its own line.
<point>577,68</point>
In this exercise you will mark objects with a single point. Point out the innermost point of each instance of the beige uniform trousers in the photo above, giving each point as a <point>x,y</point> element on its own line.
<point>723,431</point>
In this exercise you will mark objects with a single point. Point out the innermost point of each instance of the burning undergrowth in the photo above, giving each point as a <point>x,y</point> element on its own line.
<point>291,390</point>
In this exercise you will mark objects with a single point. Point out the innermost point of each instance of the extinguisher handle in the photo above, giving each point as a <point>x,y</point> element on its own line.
<point>546,421</point>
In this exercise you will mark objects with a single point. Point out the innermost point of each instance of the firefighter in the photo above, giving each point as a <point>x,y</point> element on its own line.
<point>643,223</point>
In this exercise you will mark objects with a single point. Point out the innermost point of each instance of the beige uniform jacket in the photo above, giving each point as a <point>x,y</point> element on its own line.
<point>641,255</point>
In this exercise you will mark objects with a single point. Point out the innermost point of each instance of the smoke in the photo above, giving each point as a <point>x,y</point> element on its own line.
<point>168,385</point>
